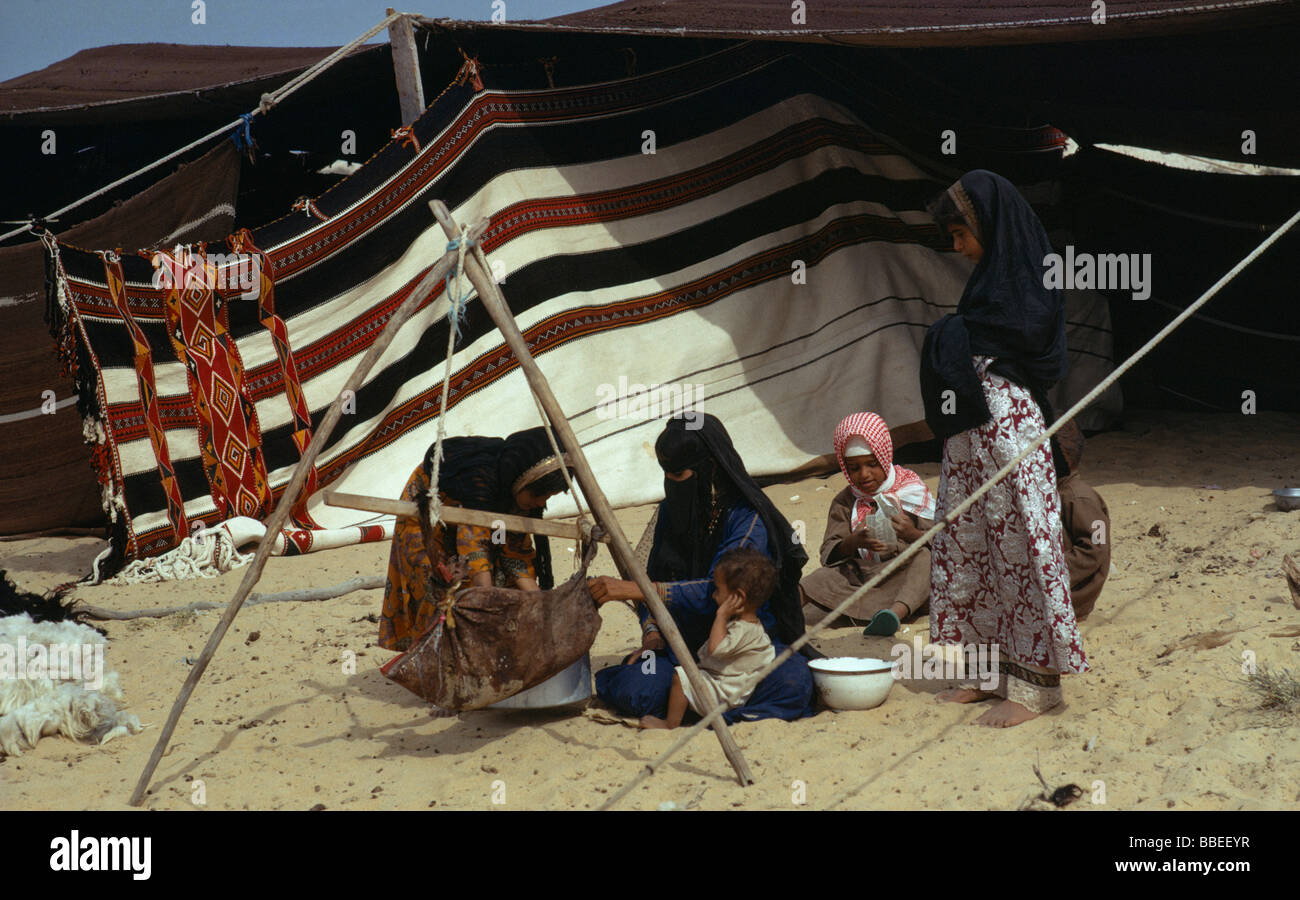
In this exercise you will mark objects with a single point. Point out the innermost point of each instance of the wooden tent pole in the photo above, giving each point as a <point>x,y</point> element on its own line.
<point>287,500</point>
<point>477,270</point>
<point>406,67</point>
<point>459,515</point>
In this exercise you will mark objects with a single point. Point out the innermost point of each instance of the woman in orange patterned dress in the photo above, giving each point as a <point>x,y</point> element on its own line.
<point>514,475</point>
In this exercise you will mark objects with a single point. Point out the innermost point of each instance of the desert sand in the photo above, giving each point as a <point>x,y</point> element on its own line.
<point>277,724</point>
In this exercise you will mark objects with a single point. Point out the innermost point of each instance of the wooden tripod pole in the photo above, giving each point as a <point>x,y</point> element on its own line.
<point>287,500</point>
<point>477,270</point>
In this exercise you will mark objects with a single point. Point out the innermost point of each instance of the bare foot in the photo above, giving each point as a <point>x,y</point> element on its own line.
<point>964,695</point>
<point>1006,714</point>
<point>653,722</point>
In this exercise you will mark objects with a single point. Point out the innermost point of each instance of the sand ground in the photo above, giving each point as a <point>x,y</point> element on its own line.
<point>277,723</point>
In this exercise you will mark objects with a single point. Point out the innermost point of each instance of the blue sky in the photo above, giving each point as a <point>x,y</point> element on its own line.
<point>35,33</point>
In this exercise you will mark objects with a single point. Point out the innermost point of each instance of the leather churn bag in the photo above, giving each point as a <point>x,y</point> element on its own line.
<point>495,642</point>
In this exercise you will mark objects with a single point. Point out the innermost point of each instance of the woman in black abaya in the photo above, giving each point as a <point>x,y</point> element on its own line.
<point>711,505</point>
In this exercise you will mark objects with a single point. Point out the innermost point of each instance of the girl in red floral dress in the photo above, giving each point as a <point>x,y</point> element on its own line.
<point>998,573</point>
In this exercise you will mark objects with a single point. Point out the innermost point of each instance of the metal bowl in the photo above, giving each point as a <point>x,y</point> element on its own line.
<point>1287,498</point>
<point>569,687</point>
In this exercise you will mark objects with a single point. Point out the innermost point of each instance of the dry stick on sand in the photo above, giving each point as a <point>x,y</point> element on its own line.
<point>476,267</point>
<point>940,524</point>
<point>288,499</point>
<point>1292,573</point>
<point>302,595</point>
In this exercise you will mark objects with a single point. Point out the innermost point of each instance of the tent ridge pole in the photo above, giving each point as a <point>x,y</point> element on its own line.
<point>406,66</point>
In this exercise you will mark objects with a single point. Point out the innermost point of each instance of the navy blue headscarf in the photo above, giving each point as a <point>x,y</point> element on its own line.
<point>1005,311</point>
<point>685,544</point>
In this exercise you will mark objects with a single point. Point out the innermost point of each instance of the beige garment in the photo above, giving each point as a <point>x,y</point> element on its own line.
<point>744,650</point>
<point>1082,508</point>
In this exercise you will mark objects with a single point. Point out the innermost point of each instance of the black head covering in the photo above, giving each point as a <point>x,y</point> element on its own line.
<point>1005,311</point>
<point>480,473</point>
<point>692,516</point>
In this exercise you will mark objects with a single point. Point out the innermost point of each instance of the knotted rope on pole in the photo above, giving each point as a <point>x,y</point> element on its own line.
<point>455,315</point>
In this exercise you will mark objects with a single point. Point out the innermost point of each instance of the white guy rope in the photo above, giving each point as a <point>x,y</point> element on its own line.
<point>268,101</point>
<point>456,299</point>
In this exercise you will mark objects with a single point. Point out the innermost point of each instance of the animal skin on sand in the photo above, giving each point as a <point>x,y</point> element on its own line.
<point>33,708</point>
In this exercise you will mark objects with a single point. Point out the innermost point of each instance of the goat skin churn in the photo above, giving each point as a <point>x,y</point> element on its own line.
<point>497,642</point>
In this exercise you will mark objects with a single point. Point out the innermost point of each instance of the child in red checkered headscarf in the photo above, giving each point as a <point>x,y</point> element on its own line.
<point>884,508</point>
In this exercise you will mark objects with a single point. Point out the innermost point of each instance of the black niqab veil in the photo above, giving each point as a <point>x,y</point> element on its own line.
<point>684,546</point>
<point>1005,312</point>
<point>479,473</point>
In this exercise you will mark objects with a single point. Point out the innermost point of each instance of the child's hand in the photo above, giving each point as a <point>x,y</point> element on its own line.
<point>904,528</point>
<point>653,640</point>
<point>877,546</point>
<point>731,608</point>
<point>856,541</point>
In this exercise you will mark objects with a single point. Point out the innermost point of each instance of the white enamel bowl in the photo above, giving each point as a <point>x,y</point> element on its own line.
<point>847,682</point>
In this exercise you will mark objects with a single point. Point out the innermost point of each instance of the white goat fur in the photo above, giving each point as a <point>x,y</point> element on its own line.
<point>33,708</point>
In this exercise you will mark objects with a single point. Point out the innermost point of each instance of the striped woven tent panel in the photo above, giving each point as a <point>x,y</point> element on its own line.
<point>771,255</point>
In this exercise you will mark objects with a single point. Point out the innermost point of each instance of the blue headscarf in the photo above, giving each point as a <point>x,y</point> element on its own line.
<point>685,545</point>
<point>1005,311</point>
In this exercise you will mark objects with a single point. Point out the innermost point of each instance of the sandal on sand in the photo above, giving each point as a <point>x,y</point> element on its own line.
<point>882,624</point>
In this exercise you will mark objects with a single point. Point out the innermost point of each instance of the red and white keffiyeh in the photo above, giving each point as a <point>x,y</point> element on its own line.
<point>902,489</point>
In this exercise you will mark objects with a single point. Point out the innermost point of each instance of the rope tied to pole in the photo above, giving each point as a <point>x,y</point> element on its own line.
<point>456,299</point>
<point>47,238</point>
<point>243,134</point>
<point>455,296</point>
